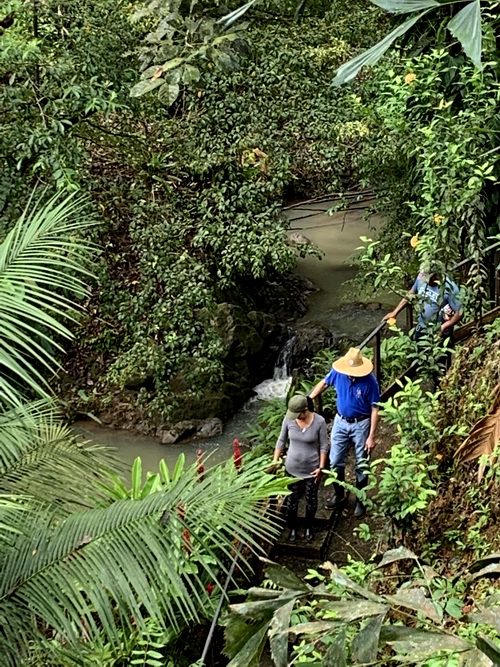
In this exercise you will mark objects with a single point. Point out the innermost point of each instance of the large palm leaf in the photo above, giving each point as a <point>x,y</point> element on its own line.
<point>42,271</point>
<point>41,457</point>
<point>111,568</point>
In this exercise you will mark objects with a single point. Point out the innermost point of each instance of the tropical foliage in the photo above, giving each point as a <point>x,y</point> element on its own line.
<point>36,294</point>
<point>188,196</point>
<point>93,574</point>
<point>464,26</point>
<point>337,620</point>
<point>82,561</point>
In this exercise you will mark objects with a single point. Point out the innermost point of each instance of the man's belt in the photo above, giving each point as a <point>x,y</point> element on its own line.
<point>354,420</point>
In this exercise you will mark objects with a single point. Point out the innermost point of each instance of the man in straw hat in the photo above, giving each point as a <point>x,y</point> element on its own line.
<point>356,420</point>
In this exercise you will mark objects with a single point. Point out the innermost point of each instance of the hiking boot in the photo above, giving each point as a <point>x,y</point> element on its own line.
<point>309,535</point>
<point>359,510</point>
<point>292,535</point>
<point>335,500</point>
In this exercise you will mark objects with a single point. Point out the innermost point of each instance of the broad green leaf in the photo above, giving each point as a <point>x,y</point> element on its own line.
<point>282,576</point>
<point>263,593</point>
<point>394,555</point>
<point>365,645</point>
<point>152,485</point>
<point>486,616</point>
<point>415,598</point>
<point>335,655</point>
<point>239,632</point>
<point>475,658</point>
<point>486,560</point>
<point>136,478</point>
<point>405,6</point>
<point>350,69</point>
<point>150,71</point>
<point>420,643</point>
<point>191,74</point>
<point>489,648</point>
<point>262,608</point>
<point>230,18</point>
<point>466,27</point>
<point>250,654</point>
<point>144,87</point>
<point>179,467</point>
<point>492,568</point>
<point>174,76</point>
<point>172,64</point>
<point>314,627</point>
<point>278,628</point>
<point>168,93</point>
<point>351,610</point>
<point>164,472</point>
<point>340,578</point>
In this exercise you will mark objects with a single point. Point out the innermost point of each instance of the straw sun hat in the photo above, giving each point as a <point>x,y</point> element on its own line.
<point>353,364</point>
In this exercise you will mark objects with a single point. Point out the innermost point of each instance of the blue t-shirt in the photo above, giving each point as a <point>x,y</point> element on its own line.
<point>432,298</point>
<point>355,396</point>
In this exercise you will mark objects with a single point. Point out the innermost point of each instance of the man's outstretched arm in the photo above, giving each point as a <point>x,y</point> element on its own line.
<point>400,306</point>
<point>318,389</point>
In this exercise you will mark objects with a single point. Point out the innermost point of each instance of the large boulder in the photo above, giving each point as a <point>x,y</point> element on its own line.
<point>310,338</point>
<point>251,342</point>
<point>193,429</point>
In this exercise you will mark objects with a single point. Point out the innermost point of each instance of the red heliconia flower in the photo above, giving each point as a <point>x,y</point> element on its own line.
<point>200,467</point>
<point>209,588</point>
<point>181,512</point>
<point>236,453</point>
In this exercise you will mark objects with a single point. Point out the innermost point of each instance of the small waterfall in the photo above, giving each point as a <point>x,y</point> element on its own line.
<point>278,385</point>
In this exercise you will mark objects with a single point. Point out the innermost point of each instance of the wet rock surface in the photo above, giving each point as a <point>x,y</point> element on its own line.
<point>192,429</point>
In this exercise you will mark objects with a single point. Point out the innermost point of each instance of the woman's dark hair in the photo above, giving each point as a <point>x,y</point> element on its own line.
<point>310,404</point>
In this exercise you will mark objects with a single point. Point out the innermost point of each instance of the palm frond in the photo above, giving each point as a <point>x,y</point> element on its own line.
<point>41,457</point>
<point>111,568</point>
<point>43,264</point>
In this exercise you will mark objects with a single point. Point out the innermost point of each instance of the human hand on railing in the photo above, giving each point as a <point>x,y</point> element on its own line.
<point>389,316</point>
<point>369,444</point>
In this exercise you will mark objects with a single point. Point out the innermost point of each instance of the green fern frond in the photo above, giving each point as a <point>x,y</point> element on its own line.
<point>41,457</point>
<point>113,567</point>
<point>42,261</point>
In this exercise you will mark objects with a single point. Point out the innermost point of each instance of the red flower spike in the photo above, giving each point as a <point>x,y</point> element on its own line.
<point>187,541</point>
<point>209,588</point>
<point>236,454</point>
<point>200,467</point>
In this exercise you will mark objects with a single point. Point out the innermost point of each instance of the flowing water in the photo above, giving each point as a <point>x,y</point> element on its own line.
<point>338,237</point>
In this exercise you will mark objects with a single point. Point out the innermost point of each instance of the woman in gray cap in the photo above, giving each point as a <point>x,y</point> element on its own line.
<point>307,455</point>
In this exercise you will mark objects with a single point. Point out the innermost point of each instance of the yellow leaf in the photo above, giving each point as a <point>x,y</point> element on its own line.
<point>414,241</point>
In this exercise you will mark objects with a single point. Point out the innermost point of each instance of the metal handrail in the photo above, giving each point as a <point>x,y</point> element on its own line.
<point>379,327</point>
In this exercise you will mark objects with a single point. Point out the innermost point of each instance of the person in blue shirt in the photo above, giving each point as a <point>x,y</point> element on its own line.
<point>356,420</point>
<point>438,301</point>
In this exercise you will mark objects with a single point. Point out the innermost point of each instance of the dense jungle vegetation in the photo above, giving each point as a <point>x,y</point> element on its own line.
<point>188,195</point>
<point>147,149</point>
